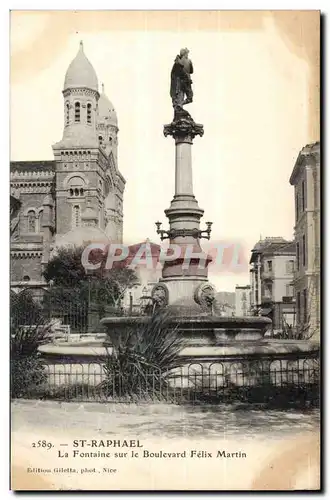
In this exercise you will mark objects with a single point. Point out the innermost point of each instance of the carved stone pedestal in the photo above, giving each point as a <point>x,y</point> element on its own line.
<point>183,276</point>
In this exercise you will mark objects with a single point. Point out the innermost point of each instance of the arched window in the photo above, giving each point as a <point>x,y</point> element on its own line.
<point>89,113</point>
<point>76,216</point>
<point>31,221</point>
<point>67,113</point>
<point>77,112</point>
<point>76,186</point>
<point>26,278</point>
<point>41,213</point>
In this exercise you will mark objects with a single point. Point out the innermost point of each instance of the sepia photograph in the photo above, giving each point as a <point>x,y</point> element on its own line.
<point>165,253</point>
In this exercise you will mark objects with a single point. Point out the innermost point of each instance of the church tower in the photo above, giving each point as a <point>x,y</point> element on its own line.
<point>87,175</point>
<point>107,131</point>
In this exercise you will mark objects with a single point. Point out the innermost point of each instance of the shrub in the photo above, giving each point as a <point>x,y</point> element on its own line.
<point>142,358</point>
<point>27,374</point>
<point>26,367</point>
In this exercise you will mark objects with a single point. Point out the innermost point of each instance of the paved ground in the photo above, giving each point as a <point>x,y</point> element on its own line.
<point>161,420</point>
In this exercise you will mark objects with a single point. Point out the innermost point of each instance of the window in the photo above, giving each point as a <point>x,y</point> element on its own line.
<point>31,218</point>
<point>289,290</point>
<point>297,207</point>
<point>67,113</point>
<point>303,195</point>
<point>40,228</point>
<point>267,292</point>
<point>270,265</point>
<point>304,250</point>
<point>298,255</point>
<point>298,307</point>
<point>289,266</point>
<point>77,192</point>
<point>77,112</point>
<point>100,140</point>
<point>26,278</point>
<point>76,187</point>
<point>305,305</point>
<point>76,216</point>
<point>89,113</point>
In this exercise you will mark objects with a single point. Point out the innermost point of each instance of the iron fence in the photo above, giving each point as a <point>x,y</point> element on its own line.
<point>252,381</point>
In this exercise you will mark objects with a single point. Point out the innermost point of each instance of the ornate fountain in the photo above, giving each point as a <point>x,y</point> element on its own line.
<point>184,290</point>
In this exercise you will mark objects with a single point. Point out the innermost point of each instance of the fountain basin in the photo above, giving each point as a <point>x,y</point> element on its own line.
<point>201,329</point>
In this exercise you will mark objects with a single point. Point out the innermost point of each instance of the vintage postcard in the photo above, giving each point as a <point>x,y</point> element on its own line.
<point>165,250</point>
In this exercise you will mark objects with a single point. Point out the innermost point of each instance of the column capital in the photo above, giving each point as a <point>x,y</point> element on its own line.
<point>183,128</point>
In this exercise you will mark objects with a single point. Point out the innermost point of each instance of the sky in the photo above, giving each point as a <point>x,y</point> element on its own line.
<point>250,93</point>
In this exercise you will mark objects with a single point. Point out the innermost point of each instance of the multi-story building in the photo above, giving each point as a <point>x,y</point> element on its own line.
<point>78,196</point>
<point>305,178</point>
<point>272,272</point>
<point>148,271</point>
<point>224,304</point>
<point>243,300</point>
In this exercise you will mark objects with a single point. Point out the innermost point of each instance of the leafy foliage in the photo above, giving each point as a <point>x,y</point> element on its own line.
<point>65,269</point>
<point>26,376</point>
<point>24,310</point>
<point>28,332</point>
<point>143,355</point>
<point>71,284</point>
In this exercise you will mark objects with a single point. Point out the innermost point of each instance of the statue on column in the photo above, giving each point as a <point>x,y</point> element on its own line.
<point>183,125</point>
<point>181,90</point>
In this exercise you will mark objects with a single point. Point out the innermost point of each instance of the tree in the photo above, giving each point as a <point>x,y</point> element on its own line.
<point>117,282</point>
<point>65,268</point>
<point>304,330</point>
<point>24,310</point>
<point>71,282</point>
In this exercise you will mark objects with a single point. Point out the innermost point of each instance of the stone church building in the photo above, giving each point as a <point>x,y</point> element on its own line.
<point>75,198</point>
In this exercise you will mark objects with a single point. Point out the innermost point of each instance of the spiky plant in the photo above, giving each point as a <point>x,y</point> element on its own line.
<point>141,359</point>
<point>28,331</point>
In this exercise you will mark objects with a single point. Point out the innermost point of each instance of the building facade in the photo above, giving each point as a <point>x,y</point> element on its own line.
<point>305,178</point>
<point>243,300</point>
<point>271,274</point>
<point>78,196</point>
<point>145,258</point>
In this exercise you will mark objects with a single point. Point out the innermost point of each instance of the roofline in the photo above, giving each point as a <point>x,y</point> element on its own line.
<point>267,250</point>
<point>16,162</point>
<point>308,151</point>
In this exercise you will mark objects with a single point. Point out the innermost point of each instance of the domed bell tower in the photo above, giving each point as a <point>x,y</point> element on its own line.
<point>79,168</point>
<point>107,127</point>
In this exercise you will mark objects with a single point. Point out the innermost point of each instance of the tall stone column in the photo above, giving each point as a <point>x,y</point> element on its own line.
<point>183,276</point>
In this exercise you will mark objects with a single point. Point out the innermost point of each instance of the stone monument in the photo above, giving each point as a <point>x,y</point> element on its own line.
<point>184,283</point>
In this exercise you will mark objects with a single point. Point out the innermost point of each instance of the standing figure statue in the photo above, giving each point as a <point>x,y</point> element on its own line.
<point>181,91</point>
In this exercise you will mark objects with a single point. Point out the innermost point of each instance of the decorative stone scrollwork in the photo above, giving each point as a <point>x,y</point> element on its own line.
<point>205,296</point>
<point>160,295</point>
<point>183,128</point>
